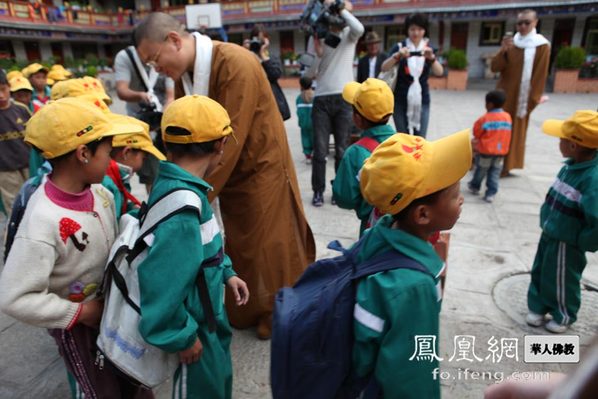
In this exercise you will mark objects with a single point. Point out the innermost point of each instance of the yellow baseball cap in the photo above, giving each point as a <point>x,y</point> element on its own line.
<point>13,74</point>
<point>404,168</point>
<point>60,68</point>
<point>59,127</point>
<point>33,68</point>
<point>20,83</point>
<point>204,118</point>
<point>139,141</point>
<point>581,128</point>
<point>373,98</point>
<point>77,88</point>
<point>96,100</point>
<point>97,86</point>
<point>57,75</point>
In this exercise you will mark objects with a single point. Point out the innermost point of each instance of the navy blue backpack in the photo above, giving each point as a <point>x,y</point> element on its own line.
<point>312,329</point>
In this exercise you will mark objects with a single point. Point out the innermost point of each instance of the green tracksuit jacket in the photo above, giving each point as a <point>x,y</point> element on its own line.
<point>305,123</point>
<point>569,221</point>
<point>345,188</point>
<point>392,308</point>
<point>172,316</point>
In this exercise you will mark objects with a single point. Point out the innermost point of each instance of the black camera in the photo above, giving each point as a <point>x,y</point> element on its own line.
<point>149,114</point>
<point>317,18</point>
<point>255,45</point>
<point>415,53</point>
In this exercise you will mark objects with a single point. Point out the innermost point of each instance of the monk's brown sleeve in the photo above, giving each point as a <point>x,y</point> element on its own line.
<point>236,87</point>
<point>539,75</point>
<point>499,61</point>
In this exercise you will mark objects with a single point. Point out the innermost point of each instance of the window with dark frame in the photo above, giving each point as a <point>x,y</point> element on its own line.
<point>491,33</point>
<point>590,36</point>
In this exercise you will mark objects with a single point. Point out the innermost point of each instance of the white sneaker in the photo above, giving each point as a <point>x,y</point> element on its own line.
<point>555,327</point>
<point>534,319</point>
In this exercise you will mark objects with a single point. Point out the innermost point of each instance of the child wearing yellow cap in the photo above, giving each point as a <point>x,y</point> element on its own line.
<point>38,76</point>
<point>22,92</point>
<point>373,104</point>
<point>128,154</point>
<point>56,263</point>
<point>178,317</point>
<point>14,153</point>
<point>415,183</point>
<point>569,222</point>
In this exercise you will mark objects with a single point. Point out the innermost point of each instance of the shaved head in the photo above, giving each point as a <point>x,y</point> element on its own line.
<point>531,13</point>
<point>155,28</point>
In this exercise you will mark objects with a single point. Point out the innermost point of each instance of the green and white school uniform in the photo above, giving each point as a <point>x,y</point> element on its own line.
<point>569,221</point>
<point>172,316</point>
<point>391,309</point>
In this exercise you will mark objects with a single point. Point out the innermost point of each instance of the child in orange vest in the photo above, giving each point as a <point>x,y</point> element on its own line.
<point>492,137</point>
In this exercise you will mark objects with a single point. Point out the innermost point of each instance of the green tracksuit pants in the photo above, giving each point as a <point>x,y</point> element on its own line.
<point>211,376</point>
<point>555,284</point>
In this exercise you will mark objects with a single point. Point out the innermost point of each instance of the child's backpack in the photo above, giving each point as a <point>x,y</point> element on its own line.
<point>312,329</point>
<point>20,205</point>
<point>119,339</point>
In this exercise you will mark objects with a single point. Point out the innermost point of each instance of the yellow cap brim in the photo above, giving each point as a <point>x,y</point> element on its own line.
<point>50,82</point>
<point>105,97</point>
<point>20,87</point>
<point>118,128</point>
<point>553,127</point>
<point>349,92</point>
<point>450,162</point>
<point>154,151</point>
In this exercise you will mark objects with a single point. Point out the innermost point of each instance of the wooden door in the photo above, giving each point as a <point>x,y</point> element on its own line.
<point>459,32</point>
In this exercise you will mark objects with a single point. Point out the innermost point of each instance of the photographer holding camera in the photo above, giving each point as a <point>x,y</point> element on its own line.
<point>332,68</point>
<point>147,94</point>
<point>259,45</point>
<point>414,60</point>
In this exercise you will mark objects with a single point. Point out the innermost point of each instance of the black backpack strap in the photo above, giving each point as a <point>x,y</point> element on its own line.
<point>202,285</point>
<point>389,260</point>
<point>112,274</point>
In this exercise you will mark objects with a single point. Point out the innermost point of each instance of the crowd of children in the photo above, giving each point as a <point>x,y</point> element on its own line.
<point>403,189</point>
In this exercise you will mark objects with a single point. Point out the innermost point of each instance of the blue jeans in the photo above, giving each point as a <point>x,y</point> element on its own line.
<point>489,167</point>
<point>400,118</point>
<point>330,115</point>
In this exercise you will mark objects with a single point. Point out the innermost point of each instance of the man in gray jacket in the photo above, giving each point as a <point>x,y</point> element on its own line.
<point>332,69</point>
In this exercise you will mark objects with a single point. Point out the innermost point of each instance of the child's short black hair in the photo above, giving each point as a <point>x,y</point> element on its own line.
<point>3,79</point>
<point>416,19</point>
<point>496,98</point>
<point>305,82</point>
<point>92,146</point>
<point>188,149</point>
<point>370,124</point>
<point>429,199</point>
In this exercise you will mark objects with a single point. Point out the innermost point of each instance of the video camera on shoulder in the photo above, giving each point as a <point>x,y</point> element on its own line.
<point>317,18</point>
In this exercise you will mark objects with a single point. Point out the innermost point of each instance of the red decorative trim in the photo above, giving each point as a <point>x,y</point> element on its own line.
<point>75,318</point>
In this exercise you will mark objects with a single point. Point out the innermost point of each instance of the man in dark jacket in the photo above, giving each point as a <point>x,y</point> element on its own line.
<point>369,65</point>
<point>259,44</point>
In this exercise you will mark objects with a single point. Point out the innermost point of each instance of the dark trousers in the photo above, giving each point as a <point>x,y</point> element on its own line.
<point>102,381</point>
<point>330,115</point>
<point>400,118</point>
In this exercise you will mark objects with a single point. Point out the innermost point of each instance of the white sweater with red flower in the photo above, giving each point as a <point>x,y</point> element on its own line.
<point>57,259</point>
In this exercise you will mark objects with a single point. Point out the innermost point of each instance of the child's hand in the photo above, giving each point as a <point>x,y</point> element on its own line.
<point>91,313</point>
<point>191,354</point>
<point>240,290</point>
